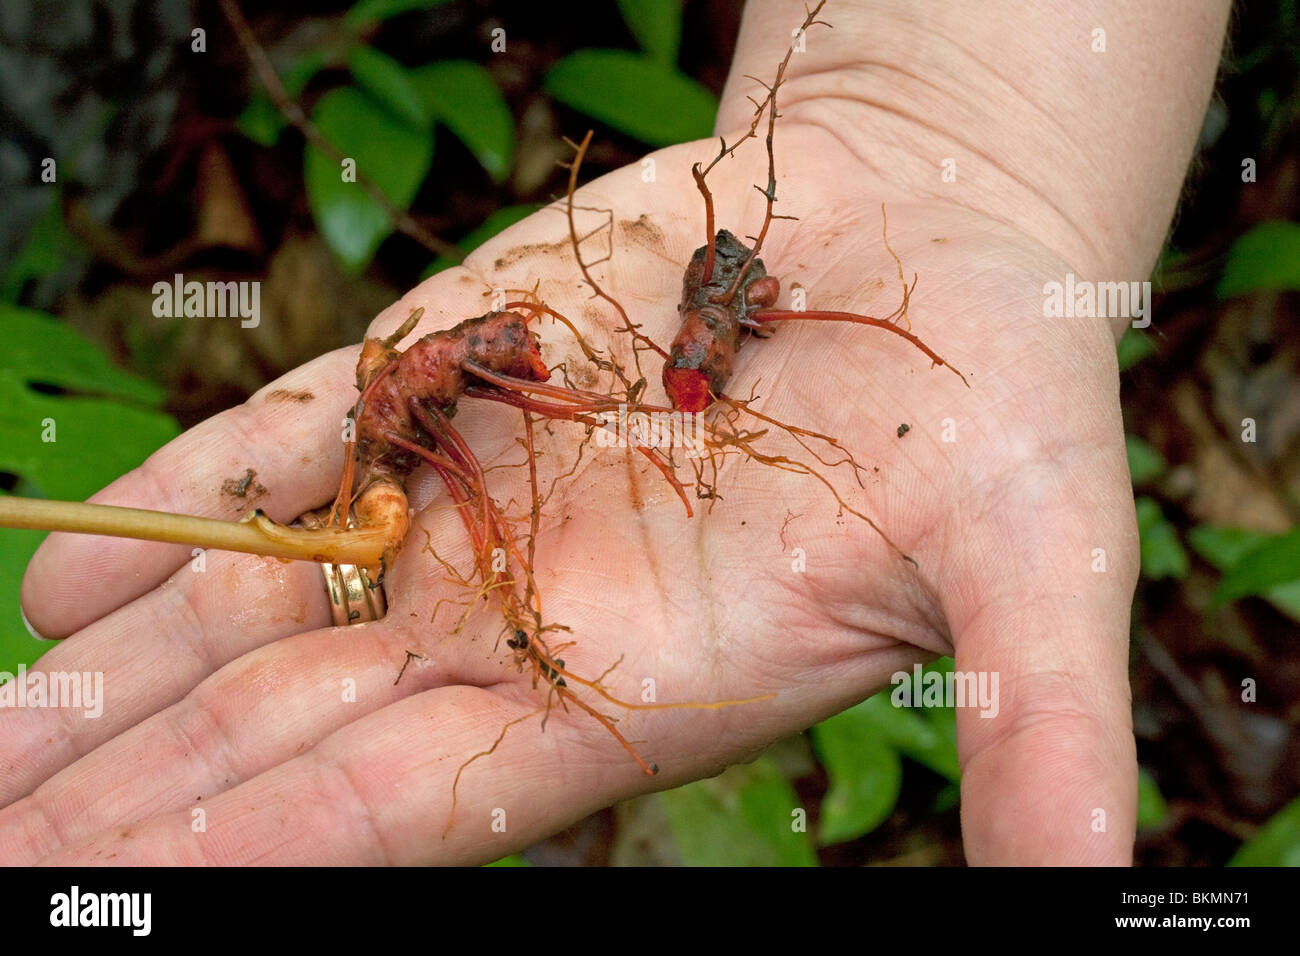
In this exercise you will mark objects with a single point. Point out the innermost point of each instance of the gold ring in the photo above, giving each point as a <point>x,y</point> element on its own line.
<point>353,598</point>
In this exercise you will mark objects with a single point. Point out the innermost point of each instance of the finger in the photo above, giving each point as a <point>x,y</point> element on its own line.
<point>381,789</point>
<point>1051,776</point>
<point>288,434</point>
<point>152,652</point>
<point>265,708</point>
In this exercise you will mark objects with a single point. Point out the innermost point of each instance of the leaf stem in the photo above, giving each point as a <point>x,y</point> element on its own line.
<point>255,534</point>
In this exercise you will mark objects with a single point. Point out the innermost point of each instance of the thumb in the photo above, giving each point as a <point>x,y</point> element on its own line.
<point>1041,598</point>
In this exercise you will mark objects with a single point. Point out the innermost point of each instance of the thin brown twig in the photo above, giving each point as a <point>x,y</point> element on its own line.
<point>291,111</point>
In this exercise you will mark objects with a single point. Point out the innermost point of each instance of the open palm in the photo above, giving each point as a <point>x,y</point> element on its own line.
<point>226,692</point>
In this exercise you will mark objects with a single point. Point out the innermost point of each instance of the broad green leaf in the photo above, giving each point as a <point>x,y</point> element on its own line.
<point>917,732</point>
<point>1162,553</point>
<point>499,221</point>
<point>635,95</point>
<point>657,26</point>
<point>1134,346</point>
<point>1225,547</point>
<point>941,665</point>
<point>94,442</point>
<point>69,446</point>
<point>860,751</point>
<point>1265,259</point>
<point>16,646</point>
<point>369,12</point>
<point>946,799</point>
<point>865,774</point>
<point>1276,844</point>
<point>47,247</point>
<point>304,69</point>
<point>392,155</point>
<point>513,860</point>
<point>1271,562</point>
<point>96,438</point>
<point>462,96</point>
<point>153,348</point>
<point>1144,462</point>
<point>43,350</point>
<point>941,757</point>
<point>927,735</point>
<point>1151,803</point>
<point>261,121</point>
<point>390,83</point>
<point>745,817</point>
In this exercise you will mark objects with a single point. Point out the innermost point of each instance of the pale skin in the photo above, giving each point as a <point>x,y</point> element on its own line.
<point>229,684</point>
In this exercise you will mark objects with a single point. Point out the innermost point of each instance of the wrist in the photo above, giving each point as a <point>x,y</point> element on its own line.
<point>1010,112</point>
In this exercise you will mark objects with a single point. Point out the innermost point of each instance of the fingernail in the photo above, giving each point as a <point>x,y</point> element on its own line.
<point>31,630</point>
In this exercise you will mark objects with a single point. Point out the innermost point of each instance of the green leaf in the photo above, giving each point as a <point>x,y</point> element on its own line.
<point>1225,547</point>
<point>390,83</point>
<point>1134,346</point>
<point>499,221</point>
<point>513,860</point>
<point>865,773</point>
<point>1151,803</point>
<point>941,755</point>
<point>940,665</point>
<point>16,645</point>
<point>95,440</point>
<point>304,70</point>
<point>927,735</point>
<point>948,798</point>
<point>96,437</point>
<point>462,95</point>
<point>859,749</point>
<point>918,732</point>
<point>635,95</point>
<point>261,121</point>
<point>1271,562</point>
<point>745,817</point>
<point>368,12</point>
<point>657,26</point>
<point>42,349</point>
<point>1276,844</point>
<point>1162,553</point>
<point>47,247</point>
<point>1265,259</point>
<point>392,155</point>
<point>1144,462</point>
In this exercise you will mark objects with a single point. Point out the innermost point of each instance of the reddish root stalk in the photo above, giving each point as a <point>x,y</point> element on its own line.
<point>573,395</point>
<point>373,352</point>
<point>582,414</point>
<point>821,315</point>
<point>711,246</point>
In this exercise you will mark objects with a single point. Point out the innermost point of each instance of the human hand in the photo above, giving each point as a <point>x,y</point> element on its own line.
<point>232,691</point>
